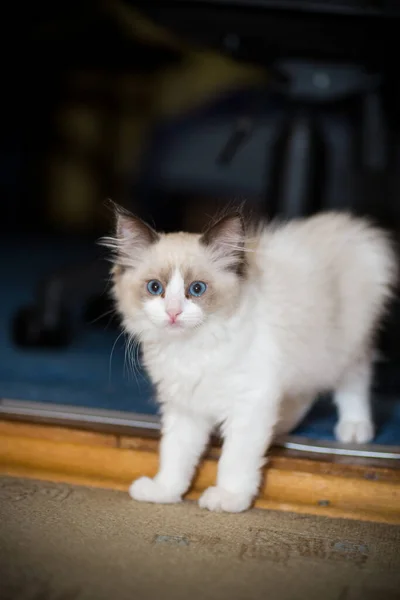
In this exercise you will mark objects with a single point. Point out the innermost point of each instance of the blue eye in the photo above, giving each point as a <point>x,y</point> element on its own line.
<point>154,287</point>
<point>197,288</point>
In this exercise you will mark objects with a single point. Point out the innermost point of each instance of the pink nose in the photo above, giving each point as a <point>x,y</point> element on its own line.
<point>173,314</point>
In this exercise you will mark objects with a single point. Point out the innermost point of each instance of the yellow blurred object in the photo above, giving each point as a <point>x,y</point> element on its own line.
<point>90,135</point>
<point>73,192</point>
<point>134,24</point>
<point>108,116</point>
<point>202,76</point>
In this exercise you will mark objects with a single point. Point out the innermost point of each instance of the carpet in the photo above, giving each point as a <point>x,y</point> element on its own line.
<point>93,372</point>
<point>60,542</point>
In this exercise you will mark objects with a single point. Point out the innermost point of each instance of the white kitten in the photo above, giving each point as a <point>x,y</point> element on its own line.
<point>242,332</point>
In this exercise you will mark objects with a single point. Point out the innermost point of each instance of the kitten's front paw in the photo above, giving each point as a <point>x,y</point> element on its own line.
<point>218,499</point>
<point>360,432</point>
<point>149,490</point>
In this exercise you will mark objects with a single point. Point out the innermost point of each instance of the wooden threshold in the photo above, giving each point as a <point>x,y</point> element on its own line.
<point>320,485</point>
<point>145,425</point>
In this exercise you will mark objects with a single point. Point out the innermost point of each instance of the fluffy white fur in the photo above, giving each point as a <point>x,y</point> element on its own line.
<point>291,312</point>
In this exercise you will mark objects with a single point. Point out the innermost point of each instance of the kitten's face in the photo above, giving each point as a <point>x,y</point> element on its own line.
<point>174,283</point>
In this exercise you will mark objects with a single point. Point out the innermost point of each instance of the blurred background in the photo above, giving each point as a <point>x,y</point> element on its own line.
<point>174,109</point>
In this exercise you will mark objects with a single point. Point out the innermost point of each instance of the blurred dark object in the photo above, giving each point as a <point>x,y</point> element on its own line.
<point>335,143</point>
<point>312,143</point>
<point>35,327</point>
<point>48,323</point>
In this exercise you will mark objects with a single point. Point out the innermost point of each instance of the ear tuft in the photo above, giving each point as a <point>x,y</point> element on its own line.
<point>226,240</point>
<point>132,236</point>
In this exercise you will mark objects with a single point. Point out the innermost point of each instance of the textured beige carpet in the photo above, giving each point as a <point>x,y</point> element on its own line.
<point>59,542</point>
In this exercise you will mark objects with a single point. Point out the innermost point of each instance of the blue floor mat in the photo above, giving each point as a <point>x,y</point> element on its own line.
<point>92,371</point>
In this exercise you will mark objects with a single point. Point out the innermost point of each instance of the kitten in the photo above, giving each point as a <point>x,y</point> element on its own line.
<point>241,331</point>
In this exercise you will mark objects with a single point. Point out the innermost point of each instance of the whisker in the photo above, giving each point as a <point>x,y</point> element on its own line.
<point>111,355</point>
<point>129,351</point>
<point>132,360</point>
<point>126,356</point>
<point>101,316</point>
<point>137,359</point>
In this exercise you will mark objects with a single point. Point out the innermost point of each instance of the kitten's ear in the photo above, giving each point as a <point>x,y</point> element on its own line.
<point>132,236</point>
<point>132,231</point>
<point>226,239</point>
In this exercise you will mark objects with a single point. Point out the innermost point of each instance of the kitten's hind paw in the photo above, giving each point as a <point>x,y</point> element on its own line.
<point>218,499</point>
<point>360,432</point>
<point>149,490</point>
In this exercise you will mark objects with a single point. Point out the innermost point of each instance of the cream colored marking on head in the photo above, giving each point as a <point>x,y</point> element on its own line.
<point>175,294</point>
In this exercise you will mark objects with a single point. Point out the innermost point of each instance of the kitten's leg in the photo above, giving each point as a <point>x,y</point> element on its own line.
<point>352,399</point>
<point>247,435</point>
<point>184,438</point>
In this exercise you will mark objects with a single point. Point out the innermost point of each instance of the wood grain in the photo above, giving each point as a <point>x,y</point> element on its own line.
<point>57,433</point>
<point>107,460</point>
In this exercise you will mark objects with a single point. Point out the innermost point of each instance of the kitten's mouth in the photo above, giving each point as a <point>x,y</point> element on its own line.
<point>174,325</point>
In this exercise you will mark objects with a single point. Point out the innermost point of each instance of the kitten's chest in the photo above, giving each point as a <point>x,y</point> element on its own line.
<point>183,366</point>
<point>189,377</point>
